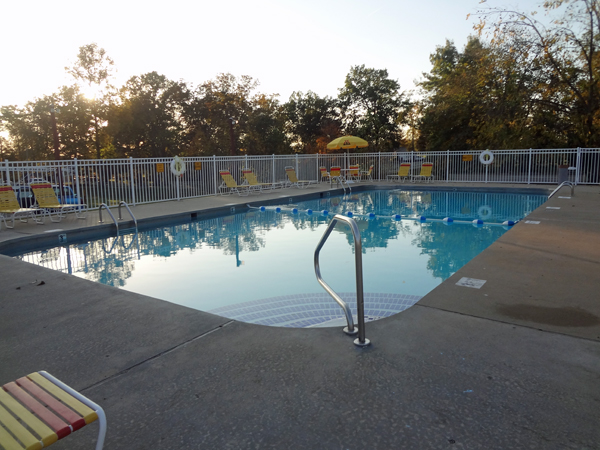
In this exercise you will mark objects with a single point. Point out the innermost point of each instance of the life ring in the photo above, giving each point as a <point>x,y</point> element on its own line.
<point>485,212</point>
<point>486,157</point>
<point>177,166</point>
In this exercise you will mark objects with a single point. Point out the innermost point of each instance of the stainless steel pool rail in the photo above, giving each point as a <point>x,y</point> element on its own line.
<point>361,341</point>
<point>104,205</point>
<point>567,183</point>
<point>122,203</point>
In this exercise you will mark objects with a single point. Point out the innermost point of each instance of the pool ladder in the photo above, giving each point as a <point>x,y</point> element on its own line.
<point>361,341</point>
<point>122,203</point>
<point>567,183</point>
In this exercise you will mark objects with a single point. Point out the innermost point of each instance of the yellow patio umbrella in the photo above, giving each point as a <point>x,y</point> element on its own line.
<point>346,142</point>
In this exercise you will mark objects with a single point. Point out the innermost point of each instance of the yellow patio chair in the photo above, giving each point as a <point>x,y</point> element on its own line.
<point>354,172</point>
<point>403,172</point>
<point>11,209</point>
<point>336,175</point>
<point>250,179</point>
<point>325,175</point>
<point>48,203</point>
<point>294,181</point>
<point>368,174</point>
<point>230,186</point>
<point>425,173</point>
<point>38,410</point>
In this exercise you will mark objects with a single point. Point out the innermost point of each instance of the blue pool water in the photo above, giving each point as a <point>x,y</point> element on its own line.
<point>258,266</point>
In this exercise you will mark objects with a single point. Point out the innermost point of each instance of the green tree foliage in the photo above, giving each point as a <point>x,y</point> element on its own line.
<point>92,71</point>
<point>371,104</point>
<point>312,121</point>
<point>562,60</point>
<point>147,120</point>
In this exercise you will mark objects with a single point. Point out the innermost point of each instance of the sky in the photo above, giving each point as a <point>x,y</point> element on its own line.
<point>287,45</point>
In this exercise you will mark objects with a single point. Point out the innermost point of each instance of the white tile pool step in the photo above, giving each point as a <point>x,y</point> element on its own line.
<point>316,309</point>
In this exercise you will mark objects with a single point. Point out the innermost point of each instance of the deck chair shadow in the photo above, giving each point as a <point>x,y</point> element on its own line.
<point>425,173</point>
<point>294,181</point>
<point>403,173</point>
<point>38,410</point>
<point>48,203</point>
<point>251,180</point>
<point>10,209</point>
<point>230,186</point>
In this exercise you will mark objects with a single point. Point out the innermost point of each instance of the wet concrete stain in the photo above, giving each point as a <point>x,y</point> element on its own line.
<point>560,317</point>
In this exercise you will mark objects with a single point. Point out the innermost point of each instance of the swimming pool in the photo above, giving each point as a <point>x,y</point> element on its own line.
<point>257,266</point>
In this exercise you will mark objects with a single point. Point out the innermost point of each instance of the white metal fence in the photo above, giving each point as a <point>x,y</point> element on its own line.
<point>138,181</point>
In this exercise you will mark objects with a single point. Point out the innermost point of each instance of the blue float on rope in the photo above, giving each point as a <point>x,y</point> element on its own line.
<point>278,209</point>
<point>397,217</point>
<point>448,219</point>
<point>325,212</point>
<point>295,211</point>
<point>372,215</point>
<point>262,208</point>
<point>309,211</point>
<point>478,222</point>
<point>508,223</point>
<point>423,218</point>
<point>349,214</point>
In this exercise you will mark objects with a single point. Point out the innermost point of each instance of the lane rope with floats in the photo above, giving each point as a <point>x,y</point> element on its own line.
<point>371,216</point>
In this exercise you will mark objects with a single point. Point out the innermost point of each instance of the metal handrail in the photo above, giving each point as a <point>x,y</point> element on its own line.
<point>569,183</point>
<point>130,213</point>
<point>109,213</point>
<point>361,341</point>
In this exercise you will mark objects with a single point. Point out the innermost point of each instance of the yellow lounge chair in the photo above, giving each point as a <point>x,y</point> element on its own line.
<point>48,203</point>
<point>336,175</point>
<point>325,175</point>
<point>368,174</point>
<point>11,209</point>
<point>294,181</point>
<point>250,179</point>
<point>425,173</point>
<point>230,186</point>
<point>354,173</point>
<point>38,410</point>
<point>403,172</point>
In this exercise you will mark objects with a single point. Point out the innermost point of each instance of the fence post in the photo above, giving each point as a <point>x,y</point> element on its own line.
<point>8,183</point>
<point>578,166</point>
<point>297,164</point>
<point>132,184</point>
<point>448,166</point>
<point>215,173</point>
<point>529,171</point>
<point>77,190</point>
<point>379,166</point>
<point>246,160</point>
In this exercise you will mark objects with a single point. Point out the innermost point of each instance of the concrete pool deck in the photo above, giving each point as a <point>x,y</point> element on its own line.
<point>515,364</point>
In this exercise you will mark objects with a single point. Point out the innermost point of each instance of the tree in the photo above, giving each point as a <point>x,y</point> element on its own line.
<point>216,107</point>
<point>93,69</point>
<point>564,60</point>
<point>371,104</point>
<point>312,122</point>
<point>147,123</point>
<point>264,125</point>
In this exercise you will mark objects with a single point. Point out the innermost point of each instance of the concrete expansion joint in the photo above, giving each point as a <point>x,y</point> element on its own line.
<point>158,355</point>
<point>547,252</point>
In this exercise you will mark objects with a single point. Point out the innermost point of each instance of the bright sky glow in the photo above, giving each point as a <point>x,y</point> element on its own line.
<point>287,45</point>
